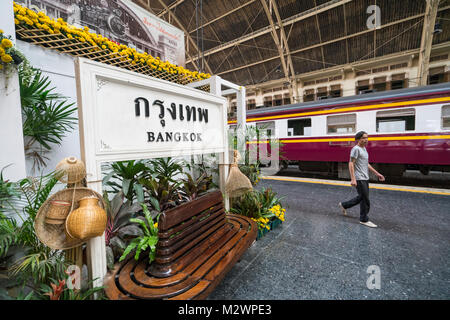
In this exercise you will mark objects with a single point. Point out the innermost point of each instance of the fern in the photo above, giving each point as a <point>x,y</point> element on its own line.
<point>8,235</point>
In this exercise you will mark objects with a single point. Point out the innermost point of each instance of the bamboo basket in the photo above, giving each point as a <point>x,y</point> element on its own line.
<point>237,183</point>
<point>88,221</point>
<point>70,170</point>
<point>55,236</point>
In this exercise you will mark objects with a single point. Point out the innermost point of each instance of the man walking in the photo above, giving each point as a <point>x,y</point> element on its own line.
<point>359,172</point>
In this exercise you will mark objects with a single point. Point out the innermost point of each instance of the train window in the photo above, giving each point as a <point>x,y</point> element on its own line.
<point>299,127</point>
<point>396,120</point>
<point>345,123</point>
<point>446,117</point>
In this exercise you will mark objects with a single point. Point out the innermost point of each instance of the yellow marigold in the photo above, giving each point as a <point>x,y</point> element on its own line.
<point>6,58</point>
<point>155,224</point>
<point>6,43</point>
<point>2,51</point>
<point>16,21</point>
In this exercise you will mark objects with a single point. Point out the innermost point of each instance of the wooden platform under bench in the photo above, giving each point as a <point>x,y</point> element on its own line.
<point>198,244</point>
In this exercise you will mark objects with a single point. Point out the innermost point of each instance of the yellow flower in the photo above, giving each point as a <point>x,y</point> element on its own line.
<point>2,51</point>
<point>16,21</point>
<point>6,58</point>
<point>155,224</point>
<point>6,43</point>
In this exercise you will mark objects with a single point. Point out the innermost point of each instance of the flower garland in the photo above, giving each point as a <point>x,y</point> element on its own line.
<point>6,51</point>
<point>29,18</point>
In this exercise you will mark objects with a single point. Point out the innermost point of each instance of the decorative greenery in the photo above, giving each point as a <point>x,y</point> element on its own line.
<point>34,263</point>
<point>118,228</point>
<point>127,173</point>
<point>47,116</point>
<point>193,188</point>
<point>147,240</point>
<point>261,206</point>
<point>58,290</point>
<point>39,262</point>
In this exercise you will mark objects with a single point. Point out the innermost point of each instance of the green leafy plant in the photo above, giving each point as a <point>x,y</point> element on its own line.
<point>163,193</point>
<point>127,173</point>
<point>38,262</point>
<point>58,290</point>
<point>47,116</point>
<point>149,239</point>
<point>193,188</point>
<point>166,167</point>
<point>119,229</point>
<point>256,204</point>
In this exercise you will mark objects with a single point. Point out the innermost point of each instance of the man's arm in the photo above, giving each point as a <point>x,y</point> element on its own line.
<point>379,175</point>
<point>351,168</point>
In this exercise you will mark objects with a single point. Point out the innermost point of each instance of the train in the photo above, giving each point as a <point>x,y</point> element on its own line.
<point>409,129</point>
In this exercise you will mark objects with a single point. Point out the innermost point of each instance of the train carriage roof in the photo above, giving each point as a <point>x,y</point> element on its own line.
<point>400,94</point>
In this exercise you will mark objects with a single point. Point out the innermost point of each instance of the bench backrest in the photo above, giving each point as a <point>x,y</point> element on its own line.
<point>187,225</point>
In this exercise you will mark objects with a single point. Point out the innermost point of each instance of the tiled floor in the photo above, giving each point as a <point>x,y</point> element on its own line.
<point>320,254</point>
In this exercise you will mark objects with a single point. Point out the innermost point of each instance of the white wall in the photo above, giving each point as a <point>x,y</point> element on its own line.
<point>60,70</point>
<point>11,137</point>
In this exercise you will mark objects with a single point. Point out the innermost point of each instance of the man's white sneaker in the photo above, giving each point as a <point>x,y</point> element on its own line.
<point>343,209</point>
<point>369,224</point>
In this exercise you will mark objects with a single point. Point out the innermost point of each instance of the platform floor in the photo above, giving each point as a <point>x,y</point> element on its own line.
<point>320,254</point>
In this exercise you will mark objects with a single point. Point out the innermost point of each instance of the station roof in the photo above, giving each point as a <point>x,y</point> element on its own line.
<point>241,40</point>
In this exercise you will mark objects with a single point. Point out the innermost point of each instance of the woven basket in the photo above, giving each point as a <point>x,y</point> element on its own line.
<point>55,236</point>
<point>57,212</point>
<point>70,170</point>
<point>88,221</point>
<point>237,183</point>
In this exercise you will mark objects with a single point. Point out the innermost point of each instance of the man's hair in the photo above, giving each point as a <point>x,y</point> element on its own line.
<point>359,135</point>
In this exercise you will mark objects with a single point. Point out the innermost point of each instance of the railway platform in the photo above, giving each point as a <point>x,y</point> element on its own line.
<point>318,253</point>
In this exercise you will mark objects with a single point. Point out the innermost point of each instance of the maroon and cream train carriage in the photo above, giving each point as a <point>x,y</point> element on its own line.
<point>408,129</point>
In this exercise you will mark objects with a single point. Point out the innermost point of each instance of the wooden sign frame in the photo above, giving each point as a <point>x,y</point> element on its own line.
<point>91,77</point>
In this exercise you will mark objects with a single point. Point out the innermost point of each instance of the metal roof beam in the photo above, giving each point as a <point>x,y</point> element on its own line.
<point>288,21</point>
<point>276,39</point>
<point>427,40</point>
<point>171,7</point>
<point>224,15</point>
<point>187,36</point>
<point>330,41</point>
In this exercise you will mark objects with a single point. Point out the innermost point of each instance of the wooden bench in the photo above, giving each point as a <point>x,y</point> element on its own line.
<point>198,244</point>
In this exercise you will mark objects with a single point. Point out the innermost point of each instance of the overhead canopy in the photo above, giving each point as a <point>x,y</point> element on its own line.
<point>242,41</point>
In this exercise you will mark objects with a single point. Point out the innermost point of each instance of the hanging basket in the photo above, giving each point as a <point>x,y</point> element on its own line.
<point>70,170</point>
<point>55,236</point>
<point>88,221</point>
<point>237,183</point>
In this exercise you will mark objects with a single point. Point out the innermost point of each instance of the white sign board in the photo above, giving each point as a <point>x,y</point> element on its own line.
<point>125,115</point>
<point>131,116</point>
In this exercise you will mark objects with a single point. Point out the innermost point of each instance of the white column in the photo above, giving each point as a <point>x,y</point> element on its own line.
<point>11,134</point>
<point>241,121</point>
<point>224,157</point>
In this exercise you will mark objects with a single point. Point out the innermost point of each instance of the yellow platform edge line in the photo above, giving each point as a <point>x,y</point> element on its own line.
<point>348,185</point>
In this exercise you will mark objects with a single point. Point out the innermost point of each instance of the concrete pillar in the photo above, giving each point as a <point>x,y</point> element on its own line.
<point>11,134</point>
